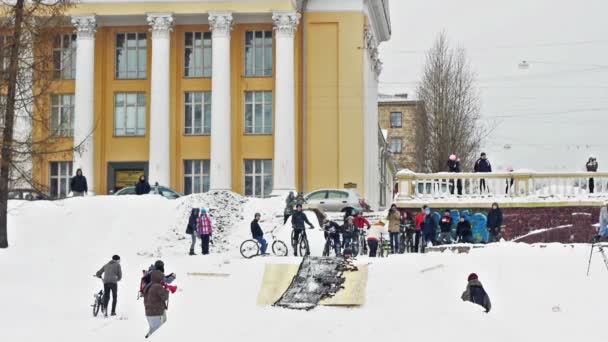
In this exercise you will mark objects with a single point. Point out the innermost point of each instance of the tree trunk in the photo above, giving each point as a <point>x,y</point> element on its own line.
<point>9,119</point>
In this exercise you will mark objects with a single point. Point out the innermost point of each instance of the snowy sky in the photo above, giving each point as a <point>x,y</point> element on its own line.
<point>552,115</point>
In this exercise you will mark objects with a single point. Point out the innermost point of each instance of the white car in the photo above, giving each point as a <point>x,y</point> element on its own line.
<point>336,200</point>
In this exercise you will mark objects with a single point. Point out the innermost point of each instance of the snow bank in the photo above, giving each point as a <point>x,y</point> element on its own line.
<point>538,294</point>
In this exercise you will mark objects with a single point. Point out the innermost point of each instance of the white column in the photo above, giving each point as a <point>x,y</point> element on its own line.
<point>284,173</point>
<point>159,168</point>
<point>221,128</point>
<point>84,98</point>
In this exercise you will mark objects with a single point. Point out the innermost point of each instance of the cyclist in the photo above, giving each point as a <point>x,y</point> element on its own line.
<point>258,234</point>
<point>349,231</point>
<point>111,273</point>
<point>297,224</point>
<point>332,231</point>
<point>361,222</point>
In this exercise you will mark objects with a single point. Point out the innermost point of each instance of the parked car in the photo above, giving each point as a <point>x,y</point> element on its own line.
<point>336,200</point>
<point>27,195</point>
<point>156,189</point>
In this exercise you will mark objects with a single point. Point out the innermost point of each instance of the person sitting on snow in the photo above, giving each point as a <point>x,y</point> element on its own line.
<point>475,293</point>
<point>257,233</point>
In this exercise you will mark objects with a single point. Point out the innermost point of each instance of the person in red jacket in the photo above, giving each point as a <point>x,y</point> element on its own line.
<point>419,220</point>
<point>361,221</point>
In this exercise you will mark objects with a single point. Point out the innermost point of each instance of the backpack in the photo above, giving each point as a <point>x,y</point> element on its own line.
<point>145,282</point>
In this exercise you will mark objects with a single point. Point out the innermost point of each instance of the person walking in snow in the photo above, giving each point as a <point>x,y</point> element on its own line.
<point>464,234</point>
<point>156,299</point>
<point>78,184</point>
<point>204,230</point>
<point>475,293</point>
<point>429,228</point>
<point>290,202</point>
<point>297,224</point>
<point>591,167</point>
<point>494,222</point>
<point>191,229</point>
<point>142,187</point>
<point>111,273</point>
<point>482,165</point>
<point>454,167</point>
<point>257,233</point>
<point>445,226</point>
<point>394,222</point>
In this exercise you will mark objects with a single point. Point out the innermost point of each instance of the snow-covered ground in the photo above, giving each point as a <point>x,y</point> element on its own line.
<point>539,293</point>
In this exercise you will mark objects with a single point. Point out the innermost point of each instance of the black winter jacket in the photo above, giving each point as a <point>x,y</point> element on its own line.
<point>256,230</point>
<point>453,165</point>
<point>429,225</point>
<point>192,221</point>
<point>142,188</point>
<point>446,224</point>
<point>482,165</point>
<point>475,293</point>
<point>463,229</point>
<point>495,218</point>
<point>298,218</point>
<point>79,184</point>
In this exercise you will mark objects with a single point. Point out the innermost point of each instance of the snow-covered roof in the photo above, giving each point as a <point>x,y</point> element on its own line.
<point>397,98</point>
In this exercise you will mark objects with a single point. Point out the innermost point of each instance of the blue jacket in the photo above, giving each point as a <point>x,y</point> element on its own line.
<point>429,226</point>
<point>482,165</point>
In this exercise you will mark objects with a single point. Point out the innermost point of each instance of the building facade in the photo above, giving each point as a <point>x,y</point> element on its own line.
<point>256,97</point>
<point>397,115</point>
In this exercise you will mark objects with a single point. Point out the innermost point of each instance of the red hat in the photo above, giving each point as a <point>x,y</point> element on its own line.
<point>472,276</point>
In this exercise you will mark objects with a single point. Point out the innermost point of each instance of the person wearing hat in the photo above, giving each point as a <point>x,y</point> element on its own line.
<point>257,233</point>
<point>475,293</point>
<point>429,228</point>
<point>111,274</point>
<point>297,224</point>
<point>445,225</point>
<point>482,165</point>
<point>454,166</point>
<point>204,230</point>
<point>591,167</point>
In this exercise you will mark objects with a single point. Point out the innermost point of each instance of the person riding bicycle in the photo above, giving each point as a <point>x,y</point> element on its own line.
<point>332,231</point>
<point>297,224</point>
<point>350,234</point>
<point>361,221</point>
<point>111,273</point>
<point>258,234</point>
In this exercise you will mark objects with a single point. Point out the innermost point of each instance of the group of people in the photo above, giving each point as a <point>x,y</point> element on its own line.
<point>482,165</point>
<point>155,287</point>
<point>200,225</point>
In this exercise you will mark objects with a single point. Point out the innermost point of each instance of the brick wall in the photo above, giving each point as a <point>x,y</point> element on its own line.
<point>405,159</point>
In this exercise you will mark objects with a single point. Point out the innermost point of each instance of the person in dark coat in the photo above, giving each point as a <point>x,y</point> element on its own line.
<point>429,227</point>
<point>591,167</point>
<point>78,184</point>
<point>257,233</point>
<point>482,165</point>
<point>463,231</point>
<point>155,302</point>
<point>494,222</point>
<point>332,230</point>
<point>191,228</point>
<point>142,187</point>
<point>445,225</point>
<point>297,223</point>
<point>475,293</point>
<point>111,274</point>
<point>454,167</point>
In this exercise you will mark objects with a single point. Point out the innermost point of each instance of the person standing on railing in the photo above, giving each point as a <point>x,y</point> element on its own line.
<point>591,167</point>
<point>454,166</point>
<point>482,165</point>
<point>494,222</point>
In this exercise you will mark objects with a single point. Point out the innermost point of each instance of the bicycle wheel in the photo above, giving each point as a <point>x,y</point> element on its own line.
<point>326,248</point>
<point>304,250</point>
<point>96,306</point>
<point>279,248</point>
<point>249,249</point>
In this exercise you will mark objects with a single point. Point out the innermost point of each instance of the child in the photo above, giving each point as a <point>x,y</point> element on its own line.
<point>204,230</point>
<point>475,293</point>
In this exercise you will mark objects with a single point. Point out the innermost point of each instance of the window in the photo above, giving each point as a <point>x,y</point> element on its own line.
<point>396,119</point>
<point>131,55</point>
<point>258,112</point>
<point>317,196</point>
<point>129,114</point>
<point>62,115</point>
<point>196,176</point>
<point>64,57</point>
<point>258,177</point>
<point>197,54</point>
<point>60,178</point>
<point>258,53</point>
<point>337,195</point>
<point>198,113</point>
<point>396,145</point>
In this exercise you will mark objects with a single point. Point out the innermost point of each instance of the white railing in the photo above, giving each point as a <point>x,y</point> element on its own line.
<point>510,184</point>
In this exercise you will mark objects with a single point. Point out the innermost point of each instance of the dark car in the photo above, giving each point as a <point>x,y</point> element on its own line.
<point>27,195</point>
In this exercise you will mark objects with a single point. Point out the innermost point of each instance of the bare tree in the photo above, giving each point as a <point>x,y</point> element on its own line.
<point>28,30</point>
<point>450,120</point>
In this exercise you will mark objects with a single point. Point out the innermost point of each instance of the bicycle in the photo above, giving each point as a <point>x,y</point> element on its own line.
<point>406,238</point>
<point>384,247</point>
<point>301,244</point>
<point>329,242</point>
<point>98,304</point>
<point>251,247</point>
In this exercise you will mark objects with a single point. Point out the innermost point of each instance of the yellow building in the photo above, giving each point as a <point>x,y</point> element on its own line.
<point>244,95</point>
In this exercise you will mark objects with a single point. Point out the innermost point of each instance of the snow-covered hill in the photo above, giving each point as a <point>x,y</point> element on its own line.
<point>47,283</point>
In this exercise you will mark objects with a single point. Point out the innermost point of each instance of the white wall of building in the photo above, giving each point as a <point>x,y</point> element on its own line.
<point>370,131</point>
